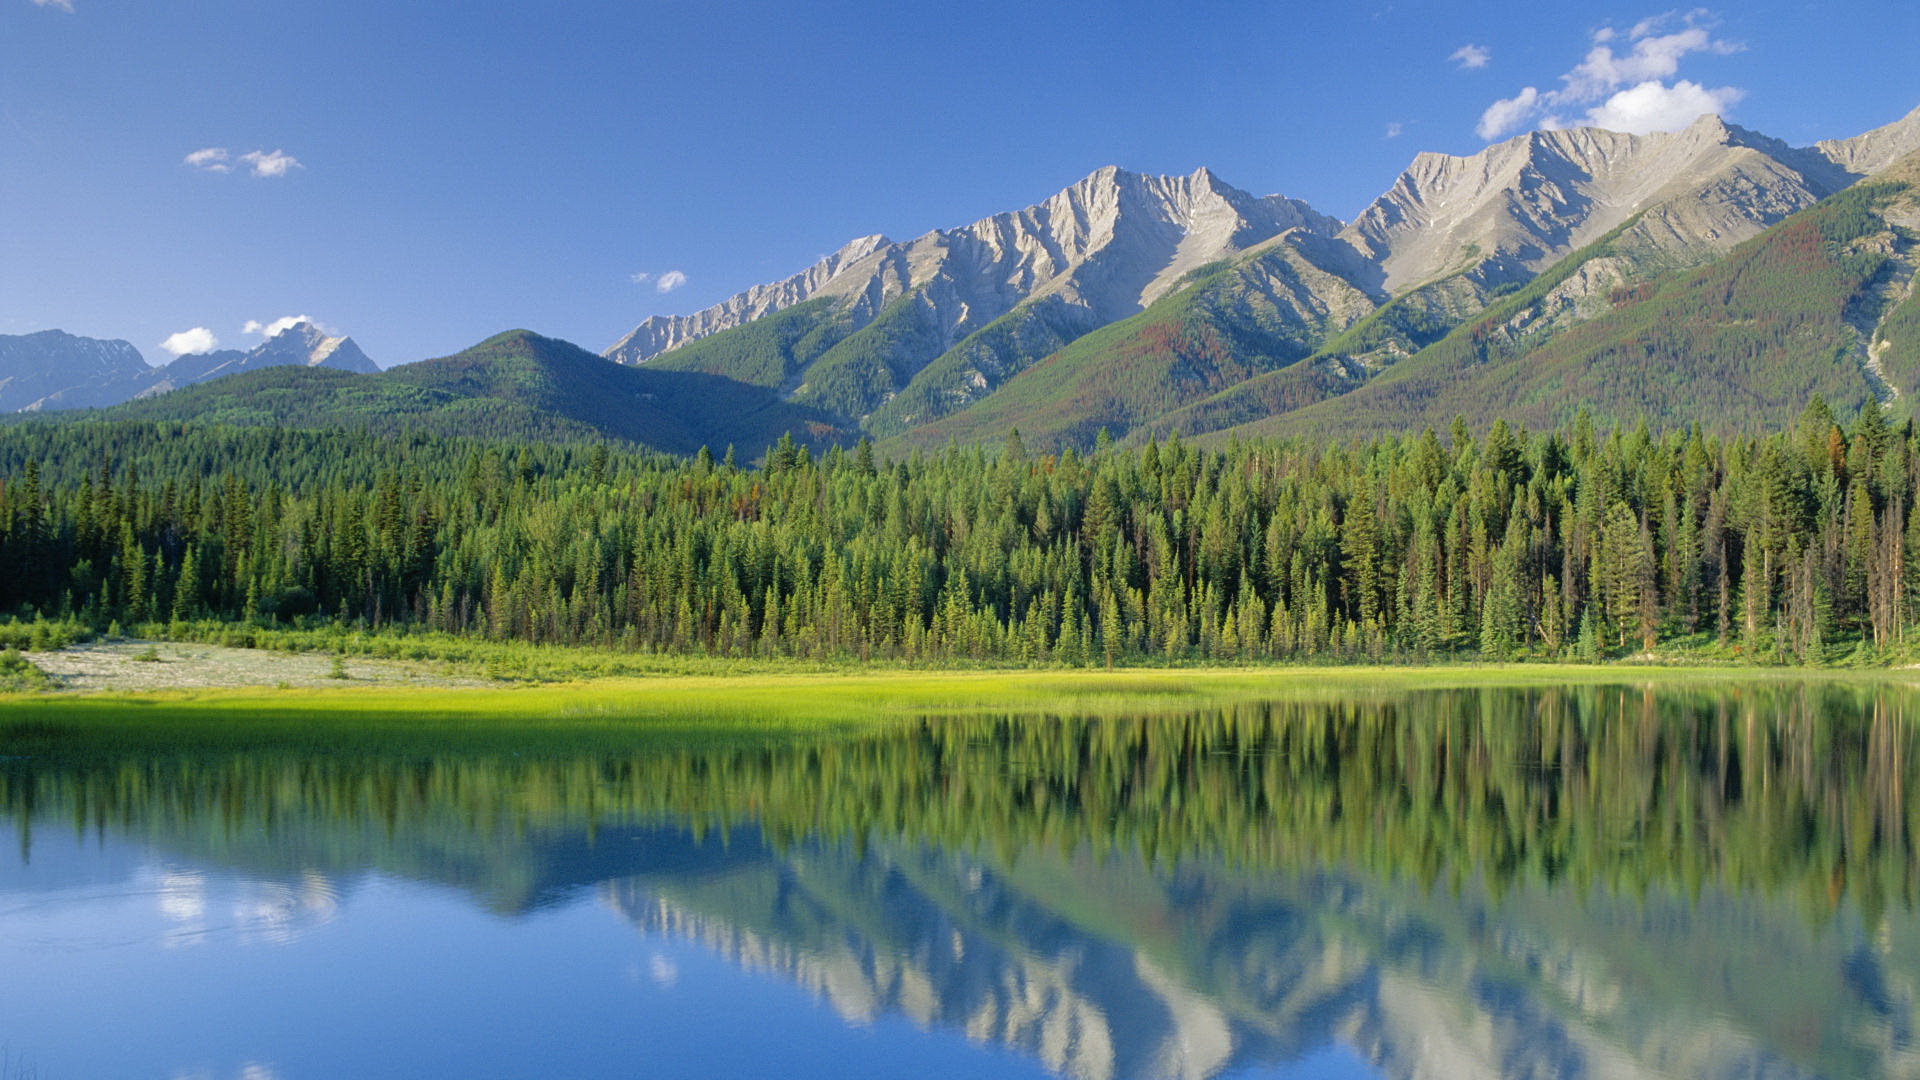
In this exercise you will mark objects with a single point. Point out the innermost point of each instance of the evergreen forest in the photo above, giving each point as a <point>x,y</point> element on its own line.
<point>1796,546</point>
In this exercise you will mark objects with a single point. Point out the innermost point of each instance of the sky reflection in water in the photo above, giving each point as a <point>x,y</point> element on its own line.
<point>1489,884</point>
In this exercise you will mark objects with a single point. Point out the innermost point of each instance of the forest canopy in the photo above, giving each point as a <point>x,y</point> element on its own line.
<point>1793,546</point>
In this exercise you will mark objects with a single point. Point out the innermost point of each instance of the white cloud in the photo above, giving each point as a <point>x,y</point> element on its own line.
<point>1652,23</point>
<point>1651,58</point>
<point>1508,113</point>
<point>640,277</point>
<point>197,340</point>
<point>63,5</point>
<point>277,326</point>
<point>1636,91</point>
<point>267,164</point>
<point>263,164</point>
<point>1395,129</point>
<point>1654,106</point>
<point>664,972</point>
<point>212,159</point>
<point>1471,56</point>
<point>670,281</point>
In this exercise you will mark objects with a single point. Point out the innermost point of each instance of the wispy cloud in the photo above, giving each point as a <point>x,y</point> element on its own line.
<point>1636,90</point>
<point>63,5</point>
<point>261,164</point>
<point>1469,57</point>
<point>1395,129</point>
<point>1508,113</point>
<point>279,325</point>
<point>670,281</point>
<point>211,159</point>
<point>197,340</point>
<point>271,163</point>
<point>640,277</point>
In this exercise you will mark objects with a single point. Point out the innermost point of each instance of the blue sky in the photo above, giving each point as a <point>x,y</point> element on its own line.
<point>424,175</point>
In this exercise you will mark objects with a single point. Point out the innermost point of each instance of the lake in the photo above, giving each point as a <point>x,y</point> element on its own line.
<point>1713,880</point>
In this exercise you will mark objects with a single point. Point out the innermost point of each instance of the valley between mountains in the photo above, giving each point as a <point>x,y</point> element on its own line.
<point>1712,275</point>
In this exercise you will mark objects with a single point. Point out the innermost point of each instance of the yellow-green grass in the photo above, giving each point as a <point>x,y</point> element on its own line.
<point>816,702</point>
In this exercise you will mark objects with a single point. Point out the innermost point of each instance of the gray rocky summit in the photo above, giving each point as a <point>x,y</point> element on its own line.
<point>1106,247</point>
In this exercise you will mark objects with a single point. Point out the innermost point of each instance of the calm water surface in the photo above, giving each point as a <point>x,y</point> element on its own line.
<point>1598,882</point>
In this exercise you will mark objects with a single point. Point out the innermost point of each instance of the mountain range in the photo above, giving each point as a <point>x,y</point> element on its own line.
<point>515,385</point>
<point>56,370</point>
<point>1712,274</point>
<point>1126,300</point>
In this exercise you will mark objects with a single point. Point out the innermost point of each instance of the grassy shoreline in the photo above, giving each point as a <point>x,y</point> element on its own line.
<point>816,701</point>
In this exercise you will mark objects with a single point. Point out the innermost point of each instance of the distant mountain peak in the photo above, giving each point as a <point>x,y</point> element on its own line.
<point>55,369</point>
<point>306,343</point>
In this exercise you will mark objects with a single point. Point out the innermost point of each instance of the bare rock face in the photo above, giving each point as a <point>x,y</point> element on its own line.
<point>1877,150</point>
<point>1518,206</point>
<point>1107,246</point>
<point>664,332</point>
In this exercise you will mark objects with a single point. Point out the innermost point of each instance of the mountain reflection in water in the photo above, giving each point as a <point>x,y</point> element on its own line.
<point>1592,882</point>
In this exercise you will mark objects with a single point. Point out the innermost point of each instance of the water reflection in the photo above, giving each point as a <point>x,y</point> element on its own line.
<point>1605,882</point>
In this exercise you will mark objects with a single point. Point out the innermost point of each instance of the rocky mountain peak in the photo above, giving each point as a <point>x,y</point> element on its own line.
<point>1511,209</point>
<point>1865,155</point>
<point>1106,245</point>
<point>306,343</point>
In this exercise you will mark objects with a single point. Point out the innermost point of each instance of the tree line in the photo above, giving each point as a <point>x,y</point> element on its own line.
<point>1798,545</point>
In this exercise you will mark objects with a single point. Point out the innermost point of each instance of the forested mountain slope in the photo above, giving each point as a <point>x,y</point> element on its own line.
<point>1229,322</point>
<point>513,385</point>
<point>1820,304</point>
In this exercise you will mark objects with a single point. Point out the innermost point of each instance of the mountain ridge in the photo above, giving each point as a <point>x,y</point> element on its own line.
<point>1161,304</point>
<point>1824,167</point>
<point>1037,249</point>
<point>73,372</point>
<point>514,384</point>
<point>892,336</point>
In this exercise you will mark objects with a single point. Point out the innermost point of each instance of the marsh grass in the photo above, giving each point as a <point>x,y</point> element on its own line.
<point>698,710</point>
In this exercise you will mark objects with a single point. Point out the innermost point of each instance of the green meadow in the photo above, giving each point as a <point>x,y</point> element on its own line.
<point>811,703</point>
